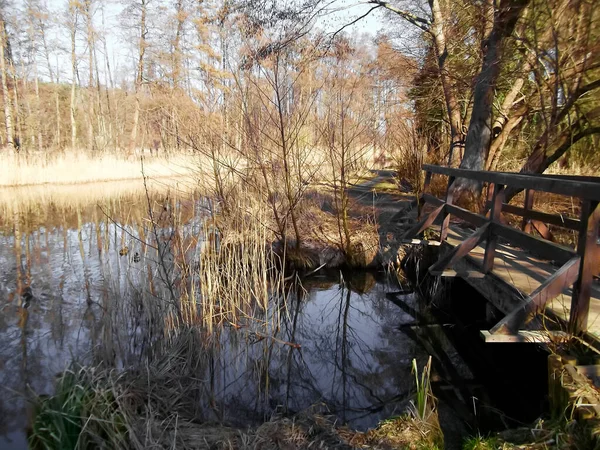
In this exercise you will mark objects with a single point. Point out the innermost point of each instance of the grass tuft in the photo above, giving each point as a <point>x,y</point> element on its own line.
<point>83,413</point>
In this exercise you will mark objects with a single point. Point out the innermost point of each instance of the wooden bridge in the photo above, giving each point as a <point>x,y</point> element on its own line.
<point>536,283</point>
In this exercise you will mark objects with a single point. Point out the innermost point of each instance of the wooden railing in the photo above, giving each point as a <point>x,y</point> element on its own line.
<point>576,268</point>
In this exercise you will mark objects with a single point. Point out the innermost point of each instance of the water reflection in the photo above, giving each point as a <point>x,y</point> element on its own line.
<point>349,355</point>
<point>339,340</point>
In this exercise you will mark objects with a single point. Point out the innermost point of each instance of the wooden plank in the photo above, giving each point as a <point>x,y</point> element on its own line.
<point>424,224</point>
<point>587,249</point>
<point>571,187</point>
<point>460,250</point>
<point>535,245</point>
<point>531,215</point>
<point>573,177</point>
<point>524,337</point>
<point>544,231</point>
<point>451,273</point>
<point>463,214</point>
<point>420,242</point>
<point>516,274</point>
<point>562,279</point>
<point>553,219</point>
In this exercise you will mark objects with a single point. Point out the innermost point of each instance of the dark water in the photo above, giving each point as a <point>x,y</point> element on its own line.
<point>352,351</point>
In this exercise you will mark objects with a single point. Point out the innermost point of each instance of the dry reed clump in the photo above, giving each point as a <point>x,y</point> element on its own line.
<point>239,269</point>
<point>402,432</point>
<point>159,408</point>
<point>542,435</point>
<point>79,167</point>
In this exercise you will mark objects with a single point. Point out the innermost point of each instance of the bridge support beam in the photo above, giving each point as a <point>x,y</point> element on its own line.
<point>589,252</point>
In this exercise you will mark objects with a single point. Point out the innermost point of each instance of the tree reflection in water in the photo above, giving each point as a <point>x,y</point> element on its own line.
<point>334,340</point>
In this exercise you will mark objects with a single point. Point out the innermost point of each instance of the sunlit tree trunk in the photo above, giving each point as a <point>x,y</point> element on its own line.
<point>109,84</point>
<point>56,80</point>
<point>16,106</point>
<point>8,122</point>
<point>479,135</point>
<point>33,35</point>
<point>73,16</point>
<point>177,69</point>
<point>88,14</point>
<point>452,106</point>
<point>140,74</point>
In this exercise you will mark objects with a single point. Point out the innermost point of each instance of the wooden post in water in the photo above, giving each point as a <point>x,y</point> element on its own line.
<point>587,249</point>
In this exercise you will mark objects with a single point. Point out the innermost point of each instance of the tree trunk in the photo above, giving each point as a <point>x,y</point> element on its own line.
<point>38,108</point>
<point>8,122</point>
<point>139,77</point>
<point>16,105</point>
<point>91,91</point>
<point>42,29</point>
<point>73,30</point>
<point>452,107</point>
<point>479,135</point>
<point>110,84</point>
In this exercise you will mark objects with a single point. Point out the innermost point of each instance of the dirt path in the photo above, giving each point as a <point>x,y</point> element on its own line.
<point>392,211</point>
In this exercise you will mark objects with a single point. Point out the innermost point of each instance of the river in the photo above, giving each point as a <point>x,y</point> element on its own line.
<point>74,259</point>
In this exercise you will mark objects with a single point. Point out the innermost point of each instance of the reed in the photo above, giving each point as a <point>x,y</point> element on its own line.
<point>75,167</point>
<point>240,277</point>
<point>424,403</point>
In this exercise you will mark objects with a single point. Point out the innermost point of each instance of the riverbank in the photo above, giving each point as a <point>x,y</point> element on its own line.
<point>100,407</point>
<point>95,407</point>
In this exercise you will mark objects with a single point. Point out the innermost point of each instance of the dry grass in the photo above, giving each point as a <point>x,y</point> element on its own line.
<point>543,435</point>
<point>323,241</point>
<point>239,270</point>
<point>79,167</point>
<point>63,196</point>
<point>98,408</point>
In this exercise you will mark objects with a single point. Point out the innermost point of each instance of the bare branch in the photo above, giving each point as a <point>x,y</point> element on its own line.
<point>355,20</point>
<point>417,21</point>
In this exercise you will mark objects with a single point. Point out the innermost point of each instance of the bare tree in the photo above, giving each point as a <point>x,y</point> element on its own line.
<point>140,9</point>
<point>4,54</point>
<point>72,24</point>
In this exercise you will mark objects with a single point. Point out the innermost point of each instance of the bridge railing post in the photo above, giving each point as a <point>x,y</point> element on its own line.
<point>445,213</point>
<point>489,199</point>
<point>589,252</point>
<point>490,245</point>
<point>421,200</point>
<point>528,206</point>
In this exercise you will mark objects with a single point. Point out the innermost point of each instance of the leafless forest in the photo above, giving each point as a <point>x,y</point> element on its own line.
<point>496,85</point>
